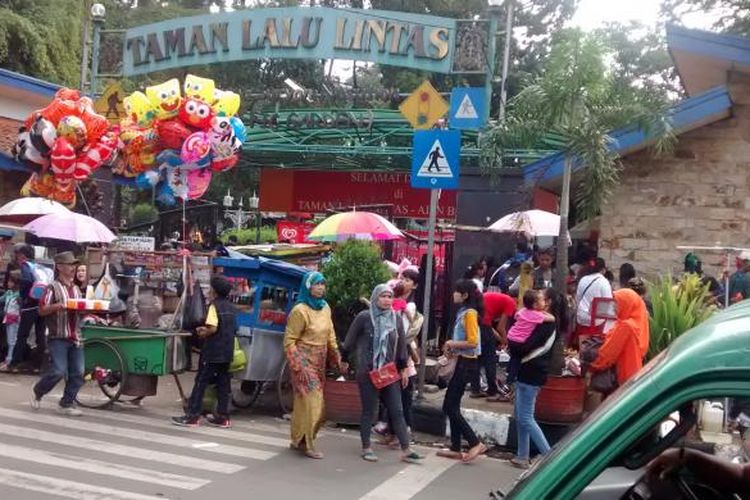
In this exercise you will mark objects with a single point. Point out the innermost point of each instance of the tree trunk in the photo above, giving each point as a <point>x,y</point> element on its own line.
<point>561,270</point>
<point>557,361</point>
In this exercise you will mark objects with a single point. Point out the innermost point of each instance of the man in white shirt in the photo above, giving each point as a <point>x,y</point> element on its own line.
<point>591,286</point>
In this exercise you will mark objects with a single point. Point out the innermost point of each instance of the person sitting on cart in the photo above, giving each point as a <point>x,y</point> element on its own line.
<point>216,355</point>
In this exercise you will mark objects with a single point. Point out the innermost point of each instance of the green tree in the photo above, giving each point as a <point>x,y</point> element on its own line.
<point>42,39</point>
<point>578,102</point>
<point>353,271</point>
<point>732,16</point>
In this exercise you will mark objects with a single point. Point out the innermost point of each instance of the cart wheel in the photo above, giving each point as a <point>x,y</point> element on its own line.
<point>246,393</point>
<point>284,390</point>
<point>105,376</point>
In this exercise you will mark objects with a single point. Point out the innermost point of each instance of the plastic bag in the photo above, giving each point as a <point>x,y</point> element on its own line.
<point>43,277</point>
<point>239,359</point>
<point>195,308</point>
<point>106,288</point>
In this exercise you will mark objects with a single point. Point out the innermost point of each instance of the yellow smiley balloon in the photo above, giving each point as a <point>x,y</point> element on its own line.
<point>201,88</point>
<point>165,98</point>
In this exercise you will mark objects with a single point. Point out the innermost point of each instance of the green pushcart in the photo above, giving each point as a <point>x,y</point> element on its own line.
<point>122,364</point>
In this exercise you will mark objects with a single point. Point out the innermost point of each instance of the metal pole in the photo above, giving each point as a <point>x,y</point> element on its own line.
<point>85,44</point>
<point>506,59</point>
<point>490,73</point>
<point>95,57</point>
<point>257,226</point>
<point>434,196</point>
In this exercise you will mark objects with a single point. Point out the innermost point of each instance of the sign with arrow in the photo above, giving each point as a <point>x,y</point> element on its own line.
<point>435,159</point>
<point>468,108</point>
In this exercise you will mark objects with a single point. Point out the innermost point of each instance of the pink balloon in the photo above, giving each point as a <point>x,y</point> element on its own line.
<point>195,148</point>
<point>198,182</point>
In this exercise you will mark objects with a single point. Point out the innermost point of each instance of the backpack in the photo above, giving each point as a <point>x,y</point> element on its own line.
<point>43,278</point>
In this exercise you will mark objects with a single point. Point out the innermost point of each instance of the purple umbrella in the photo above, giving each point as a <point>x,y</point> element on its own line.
<point>71,226</point>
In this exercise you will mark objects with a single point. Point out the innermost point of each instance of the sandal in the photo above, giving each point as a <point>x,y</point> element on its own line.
<point>474,452</point>
<point>454,455</point>
<point>520,464</point>
<point>313,454</point>
<point>369,456</point>
<point>412,458</point>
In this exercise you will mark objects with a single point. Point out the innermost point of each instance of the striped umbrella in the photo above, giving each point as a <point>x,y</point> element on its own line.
<point>355,225</point>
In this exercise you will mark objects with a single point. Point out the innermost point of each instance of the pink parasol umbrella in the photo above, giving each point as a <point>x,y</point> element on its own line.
<point>355,225</point>
<point>71,226</point>
<point>25,210</point>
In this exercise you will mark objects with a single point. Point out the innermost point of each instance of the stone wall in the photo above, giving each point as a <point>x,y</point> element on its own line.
<point>700,195</point>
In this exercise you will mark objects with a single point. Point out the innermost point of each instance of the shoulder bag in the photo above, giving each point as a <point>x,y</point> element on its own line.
<point>388,373</point>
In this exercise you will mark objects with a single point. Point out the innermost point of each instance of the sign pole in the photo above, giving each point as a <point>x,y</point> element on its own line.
<point>434,195</point>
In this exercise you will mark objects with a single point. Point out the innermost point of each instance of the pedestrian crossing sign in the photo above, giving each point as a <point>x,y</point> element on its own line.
<point>468,108</point>
<point>435,159</point>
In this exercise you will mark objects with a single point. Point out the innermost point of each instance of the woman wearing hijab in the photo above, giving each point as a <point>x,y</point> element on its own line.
<point>309,343</point>
<point>627,342</point>
<point>376,338</point>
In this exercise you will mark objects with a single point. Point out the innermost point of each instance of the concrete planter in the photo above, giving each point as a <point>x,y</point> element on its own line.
<point>342,402</point>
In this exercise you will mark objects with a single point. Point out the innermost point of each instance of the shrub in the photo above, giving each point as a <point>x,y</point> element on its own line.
<point>143,213</point>
<point>677,307</point>
<point>352,272</point>
<point>246,236</point>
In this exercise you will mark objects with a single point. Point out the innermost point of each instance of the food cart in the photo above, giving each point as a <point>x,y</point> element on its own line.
<point>126,362</point>
<point>264,291</point>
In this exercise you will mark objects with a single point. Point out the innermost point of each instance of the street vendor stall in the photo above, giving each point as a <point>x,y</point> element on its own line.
<point>265,290</point>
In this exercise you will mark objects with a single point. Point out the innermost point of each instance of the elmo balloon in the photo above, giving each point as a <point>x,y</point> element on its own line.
<point>196,113</point>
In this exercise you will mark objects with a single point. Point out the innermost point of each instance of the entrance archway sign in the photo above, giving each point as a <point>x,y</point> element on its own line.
<point>393,38</point>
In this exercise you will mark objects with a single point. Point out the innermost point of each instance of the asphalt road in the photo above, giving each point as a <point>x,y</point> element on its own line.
<point>130,453</point>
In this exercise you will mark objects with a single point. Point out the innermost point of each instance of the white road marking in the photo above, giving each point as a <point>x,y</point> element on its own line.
<point>89,425</point>
<point>411,480</point>
<point>204,431</point>
<point>91,466</point>
<point>64,488</point>
<point>117,449</point>
<point>9,384</point>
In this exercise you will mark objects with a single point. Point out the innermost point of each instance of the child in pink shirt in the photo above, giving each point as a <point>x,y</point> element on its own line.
<point>531,314</point>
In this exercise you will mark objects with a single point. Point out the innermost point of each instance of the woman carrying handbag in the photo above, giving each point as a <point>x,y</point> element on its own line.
<point>376,344</point>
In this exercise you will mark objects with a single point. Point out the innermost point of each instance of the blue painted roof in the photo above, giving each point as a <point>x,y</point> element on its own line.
<point>718,46</point>
<point>686,115</point>
<point>7,162</point>
<point>28,83</point>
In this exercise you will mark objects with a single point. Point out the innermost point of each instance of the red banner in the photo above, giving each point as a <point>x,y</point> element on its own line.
<point>316,191</point>
<point>414,250</point>
<point>293,232</point>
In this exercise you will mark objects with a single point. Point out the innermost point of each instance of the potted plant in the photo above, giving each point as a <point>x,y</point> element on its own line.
<point>676,308</point>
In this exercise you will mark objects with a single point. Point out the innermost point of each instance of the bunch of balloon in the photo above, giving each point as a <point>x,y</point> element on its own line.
<point>174,143</point>
<point>63,144</point>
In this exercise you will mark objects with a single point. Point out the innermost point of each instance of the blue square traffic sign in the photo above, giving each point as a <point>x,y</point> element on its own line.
<point>468,108</point>
<point>435,159</point>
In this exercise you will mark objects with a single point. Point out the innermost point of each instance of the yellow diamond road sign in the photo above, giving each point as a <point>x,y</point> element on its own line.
<point>424,106</point>
<point>109,105</point>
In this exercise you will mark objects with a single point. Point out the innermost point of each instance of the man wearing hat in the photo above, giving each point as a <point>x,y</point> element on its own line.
<point>64,337</point>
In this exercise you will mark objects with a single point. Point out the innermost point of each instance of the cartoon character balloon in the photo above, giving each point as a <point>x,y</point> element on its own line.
<point>165,98</point>
<point>63,143</point>
<point>175,143</point>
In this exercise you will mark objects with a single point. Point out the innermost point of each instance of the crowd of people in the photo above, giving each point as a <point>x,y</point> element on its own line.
<point>606,320</point>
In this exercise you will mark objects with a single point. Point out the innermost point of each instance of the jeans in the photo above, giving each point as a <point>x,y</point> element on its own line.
<point>66,361</point>
<point>487,360</point>
<point>407,402</point>
<point>30,318</point>
<point>11,334</point>
<point>391,398</point>
<point>466,370</point>
<point>207,374</point>
<point>526,426</point>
